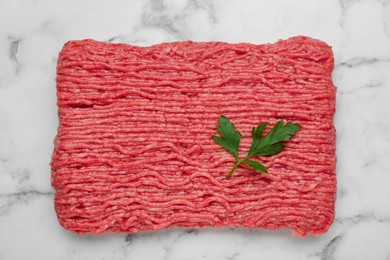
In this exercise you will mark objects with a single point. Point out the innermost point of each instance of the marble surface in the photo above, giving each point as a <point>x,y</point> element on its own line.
<point>33,32</point>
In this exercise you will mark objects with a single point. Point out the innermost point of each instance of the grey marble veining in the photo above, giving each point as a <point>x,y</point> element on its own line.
<point>33,32</point>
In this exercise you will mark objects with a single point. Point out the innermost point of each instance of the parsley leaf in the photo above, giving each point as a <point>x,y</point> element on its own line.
<point>271,144</point>
<point>230,136</point>
<point>257,166</point>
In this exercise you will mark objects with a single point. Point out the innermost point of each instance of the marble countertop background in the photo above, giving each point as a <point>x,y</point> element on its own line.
<point>33,32</point>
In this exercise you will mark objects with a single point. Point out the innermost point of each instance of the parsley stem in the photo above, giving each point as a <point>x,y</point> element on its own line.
<point>236,166</point>
<point>233,169</point>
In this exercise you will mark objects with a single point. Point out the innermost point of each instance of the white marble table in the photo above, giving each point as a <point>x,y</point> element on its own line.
<point>33,32</point>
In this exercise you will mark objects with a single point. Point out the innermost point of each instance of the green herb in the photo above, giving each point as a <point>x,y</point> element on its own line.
<point>271,144</point>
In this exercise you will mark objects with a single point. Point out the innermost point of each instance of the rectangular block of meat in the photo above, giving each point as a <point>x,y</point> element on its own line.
<point>134,150</point>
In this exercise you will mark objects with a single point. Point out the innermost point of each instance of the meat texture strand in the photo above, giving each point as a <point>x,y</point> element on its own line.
<point>134,150</point>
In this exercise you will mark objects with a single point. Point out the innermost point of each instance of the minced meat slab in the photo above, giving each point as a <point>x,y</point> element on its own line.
<point>134,150</point>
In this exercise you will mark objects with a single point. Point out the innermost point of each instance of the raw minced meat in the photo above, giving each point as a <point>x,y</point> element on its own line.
<point>134,150</point>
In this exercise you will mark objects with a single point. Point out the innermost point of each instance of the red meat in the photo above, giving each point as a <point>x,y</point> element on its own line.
<point>134,150</point>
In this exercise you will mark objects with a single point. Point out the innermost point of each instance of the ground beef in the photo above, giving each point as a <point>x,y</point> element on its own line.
<point>134,150</point>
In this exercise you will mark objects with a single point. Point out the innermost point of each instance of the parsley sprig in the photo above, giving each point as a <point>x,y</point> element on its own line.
<point>271,144</point>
